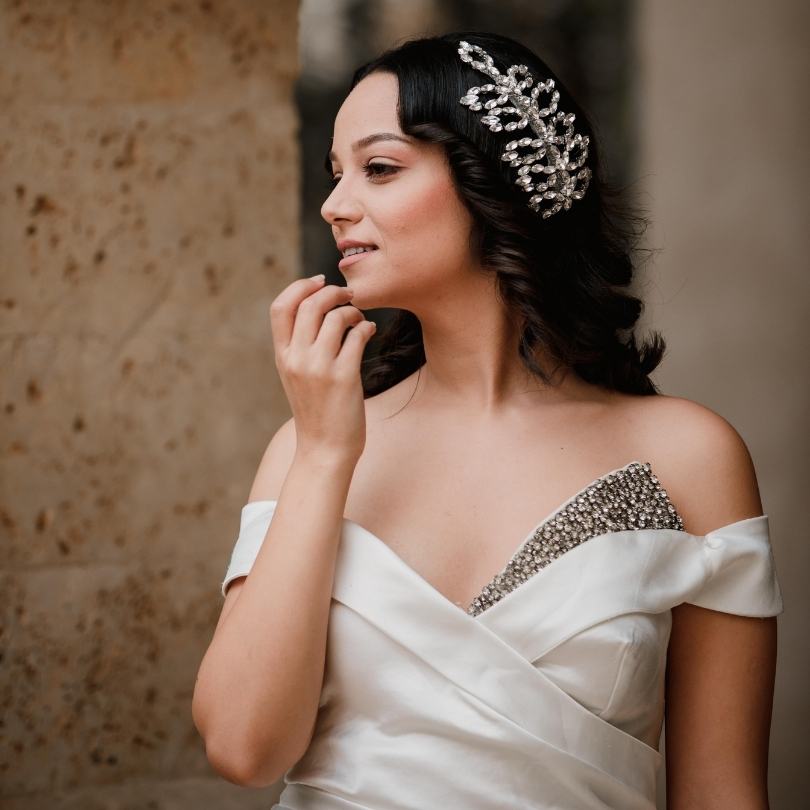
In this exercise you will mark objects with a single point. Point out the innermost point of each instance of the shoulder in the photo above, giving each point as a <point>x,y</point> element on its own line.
<point>275,463</point>
<point>701,460</point>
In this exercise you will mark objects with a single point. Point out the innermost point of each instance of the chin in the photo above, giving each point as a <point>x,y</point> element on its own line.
<point>365,299</point>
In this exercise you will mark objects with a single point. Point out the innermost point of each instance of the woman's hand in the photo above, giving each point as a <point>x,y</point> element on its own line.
<point>320,376</point>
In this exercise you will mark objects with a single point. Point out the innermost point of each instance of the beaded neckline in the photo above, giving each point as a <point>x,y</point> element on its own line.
<point>630,497</point>
<point>627,498</point>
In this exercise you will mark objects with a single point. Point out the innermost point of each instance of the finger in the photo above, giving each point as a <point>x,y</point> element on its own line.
<point>351,352</point>
<point>285,305</point>
<point>335,324</point>
<point>311,313</point>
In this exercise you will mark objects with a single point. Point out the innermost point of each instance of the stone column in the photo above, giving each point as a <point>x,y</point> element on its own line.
<point>148,215</point>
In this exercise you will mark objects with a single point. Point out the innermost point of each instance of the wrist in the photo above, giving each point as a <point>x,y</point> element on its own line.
<point>325,459</point>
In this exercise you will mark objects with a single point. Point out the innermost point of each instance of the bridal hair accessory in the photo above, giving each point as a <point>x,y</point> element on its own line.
<point>558,181</point>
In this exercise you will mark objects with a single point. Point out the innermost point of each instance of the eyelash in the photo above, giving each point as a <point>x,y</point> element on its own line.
<point>386,170</point>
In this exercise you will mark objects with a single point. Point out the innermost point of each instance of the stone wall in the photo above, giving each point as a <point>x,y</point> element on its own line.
<point>723,117</point>
<point>148,215</point>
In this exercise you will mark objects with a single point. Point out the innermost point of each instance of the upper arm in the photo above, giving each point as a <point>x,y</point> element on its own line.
<point>719,696</point>
<point>275,464</point>
<point>273,468</point>
<point>720,666</point>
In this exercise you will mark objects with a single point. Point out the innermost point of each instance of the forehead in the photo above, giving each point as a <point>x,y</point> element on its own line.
<point>370,107</point>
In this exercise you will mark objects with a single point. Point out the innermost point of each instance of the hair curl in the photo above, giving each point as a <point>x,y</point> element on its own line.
<point>561,277</point>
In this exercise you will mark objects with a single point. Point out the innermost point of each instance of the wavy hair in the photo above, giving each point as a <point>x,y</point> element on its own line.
<point>563,278</point>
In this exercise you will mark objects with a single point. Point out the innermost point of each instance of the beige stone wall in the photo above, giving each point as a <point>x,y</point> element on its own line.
<point>725,167</point>
<point>148,215</point>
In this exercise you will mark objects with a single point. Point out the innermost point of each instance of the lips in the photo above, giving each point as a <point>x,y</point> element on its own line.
<point>366,249</point>
<point>344,244</point>
<point>346,261</point>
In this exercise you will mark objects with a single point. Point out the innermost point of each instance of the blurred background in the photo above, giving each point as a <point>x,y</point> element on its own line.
<point>160,182</point>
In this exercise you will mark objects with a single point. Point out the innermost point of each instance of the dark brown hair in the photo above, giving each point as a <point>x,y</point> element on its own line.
<point>564,277</point>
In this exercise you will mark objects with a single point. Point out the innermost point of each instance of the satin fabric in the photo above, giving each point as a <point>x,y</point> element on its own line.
<point>551,698</point>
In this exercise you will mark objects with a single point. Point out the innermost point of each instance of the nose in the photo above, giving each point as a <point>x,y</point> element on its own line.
<point>341,205</point>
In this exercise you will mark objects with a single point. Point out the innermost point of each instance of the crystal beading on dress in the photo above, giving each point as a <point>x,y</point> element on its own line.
<point>560,185</point>
<point>629,498</point>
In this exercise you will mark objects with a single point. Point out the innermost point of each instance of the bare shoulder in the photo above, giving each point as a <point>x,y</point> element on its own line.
<point>715,659</point>
<point>701,460</point>
<point>275,464</point>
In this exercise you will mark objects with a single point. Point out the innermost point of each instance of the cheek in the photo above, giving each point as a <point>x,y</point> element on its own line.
<point>430,227</point>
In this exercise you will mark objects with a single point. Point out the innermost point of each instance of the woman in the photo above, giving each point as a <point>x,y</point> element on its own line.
<point>461,668</point>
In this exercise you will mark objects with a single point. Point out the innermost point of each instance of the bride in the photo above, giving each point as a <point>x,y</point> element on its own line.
<point>482,569</point>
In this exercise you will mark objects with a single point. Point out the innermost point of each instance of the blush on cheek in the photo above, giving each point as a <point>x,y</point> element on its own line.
<point>427,229</point>
<point>440,202</point>
<point>432,212</point>
<point>444,223</point>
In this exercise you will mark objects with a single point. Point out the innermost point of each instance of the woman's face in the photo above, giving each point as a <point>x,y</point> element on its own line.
<point>397,195</point>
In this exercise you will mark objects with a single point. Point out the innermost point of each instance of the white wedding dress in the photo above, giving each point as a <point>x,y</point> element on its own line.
<point>546,692</point>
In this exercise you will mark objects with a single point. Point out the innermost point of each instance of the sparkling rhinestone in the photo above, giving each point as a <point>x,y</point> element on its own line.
<point>631,498</point>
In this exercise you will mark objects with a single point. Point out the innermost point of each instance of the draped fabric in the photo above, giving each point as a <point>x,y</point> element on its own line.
<point>553,697</point>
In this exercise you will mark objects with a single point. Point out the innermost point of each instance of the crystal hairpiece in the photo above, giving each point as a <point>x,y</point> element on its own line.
<point>559,183</point>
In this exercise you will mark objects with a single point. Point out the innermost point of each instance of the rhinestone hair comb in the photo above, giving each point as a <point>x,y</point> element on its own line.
<point>554,155</point>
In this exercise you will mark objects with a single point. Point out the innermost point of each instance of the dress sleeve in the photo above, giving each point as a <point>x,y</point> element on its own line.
<point>255,521</point>
<point>740,570</point>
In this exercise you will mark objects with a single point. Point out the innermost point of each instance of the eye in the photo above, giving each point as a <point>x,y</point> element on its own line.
<point>373,170</point>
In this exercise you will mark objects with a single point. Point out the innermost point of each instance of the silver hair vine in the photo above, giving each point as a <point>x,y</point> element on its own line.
<point>550,153</point>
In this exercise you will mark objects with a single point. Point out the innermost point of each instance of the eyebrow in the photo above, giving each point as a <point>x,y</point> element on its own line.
<point>368,140</point>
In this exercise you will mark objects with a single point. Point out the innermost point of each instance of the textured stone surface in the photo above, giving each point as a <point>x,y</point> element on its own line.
<point>725,171</point>
<point>148,216</point>
<point>143,794</point>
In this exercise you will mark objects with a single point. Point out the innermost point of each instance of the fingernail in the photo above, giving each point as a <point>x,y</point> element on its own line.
<point>319,277</point>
